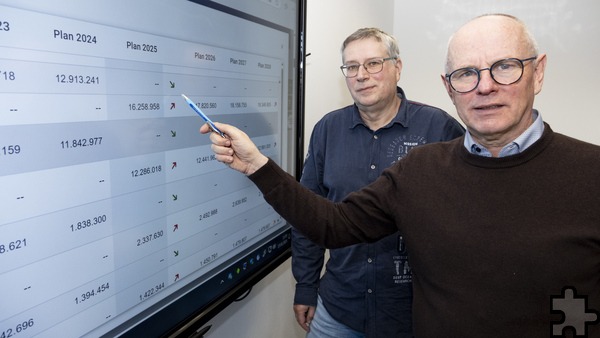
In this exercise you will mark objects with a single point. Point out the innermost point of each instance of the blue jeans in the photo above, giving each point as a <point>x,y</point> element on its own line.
<point>324,326</point>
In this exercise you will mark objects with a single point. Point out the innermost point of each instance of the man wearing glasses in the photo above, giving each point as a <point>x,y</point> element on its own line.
<point>366,290</point>
<point>502,225</point>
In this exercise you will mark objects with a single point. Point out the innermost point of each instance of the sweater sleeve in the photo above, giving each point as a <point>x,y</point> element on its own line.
<point>359,218</point>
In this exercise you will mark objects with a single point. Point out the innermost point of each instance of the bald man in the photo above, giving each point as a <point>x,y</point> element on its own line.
<point>502,225</point>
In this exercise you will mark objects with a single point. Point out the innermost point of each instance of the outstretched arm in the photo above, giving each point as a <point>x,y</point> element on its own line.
<point>236,150</point>
<point>360,218</point>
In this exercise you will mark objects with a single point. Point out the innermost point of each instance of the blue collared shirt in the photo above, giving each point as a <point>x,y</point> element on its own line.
<point>532,134</point>
<point>366,286</point>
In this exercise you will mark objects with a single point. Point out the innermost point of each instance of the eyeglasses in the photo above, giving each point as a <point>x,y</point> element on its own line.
<point>504,72</point>
<point>373,66</point>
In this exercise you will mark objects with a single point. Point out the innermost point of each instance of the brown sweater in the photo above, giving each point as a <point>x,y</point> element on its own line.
<point>491,240</point>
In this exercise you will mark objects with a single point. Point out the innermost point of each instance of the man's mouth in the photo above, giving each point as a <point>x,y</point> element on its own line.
<point>488,107</point>
<point>364,88</point>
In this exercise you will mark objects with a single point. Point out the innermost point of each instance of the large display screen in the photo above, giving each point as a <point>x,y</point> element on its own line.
<point>116,219</point>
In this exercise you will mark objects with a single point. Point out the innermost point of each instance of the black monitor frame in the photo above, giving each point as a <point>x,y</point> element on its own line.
<point>190,308</point>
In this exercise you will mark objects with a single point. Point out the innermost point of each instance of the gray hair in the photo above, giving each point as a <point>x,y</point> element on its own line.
<point>379,35</point>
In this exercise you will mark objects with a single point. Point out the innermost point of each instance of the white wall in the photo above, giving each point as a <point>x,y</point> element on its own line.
<point>568,31</point>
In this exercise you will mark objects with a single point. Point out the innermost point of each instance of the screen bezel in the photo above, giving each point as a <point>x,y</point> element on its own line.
<point>197,314</point>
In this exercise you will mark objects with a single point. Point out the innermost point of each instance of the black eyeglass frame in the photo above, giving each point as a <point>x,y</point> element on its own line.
<point>478,72</point>
<point>344,68</point>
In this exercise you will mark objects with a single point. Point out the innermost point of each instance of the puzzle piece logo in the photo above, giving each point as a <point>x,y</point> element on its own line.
<point>576,315</point>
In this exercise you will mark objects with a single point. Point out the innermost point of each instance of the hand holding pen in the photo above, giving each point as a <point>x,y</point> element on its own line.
<point>202,115</point>
<point>236,150</point>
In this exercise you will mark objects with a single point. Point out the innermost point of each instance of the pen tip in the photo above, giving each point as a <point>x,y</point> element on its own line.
<point>185,97</point>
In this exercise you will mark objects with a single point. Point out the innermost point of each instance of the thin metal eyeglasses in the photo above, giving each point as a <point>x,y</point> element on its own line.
<point>504,72</point>
<point>372,66</point>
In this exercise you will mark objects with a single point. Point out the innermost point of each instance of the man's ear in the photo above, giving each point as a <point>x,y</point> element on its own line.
<point>448,88</point>
<point>538,75</point>
<point>399,67</point>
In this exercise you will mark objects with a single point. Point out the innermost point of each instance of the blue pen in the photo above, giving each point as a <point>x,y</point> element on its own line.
<point>199,112</point>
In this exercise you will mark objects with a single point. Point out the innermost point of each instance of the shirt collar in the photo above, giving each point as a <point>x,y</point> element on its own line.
<point>401,116</point>
<point>532,134</point>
